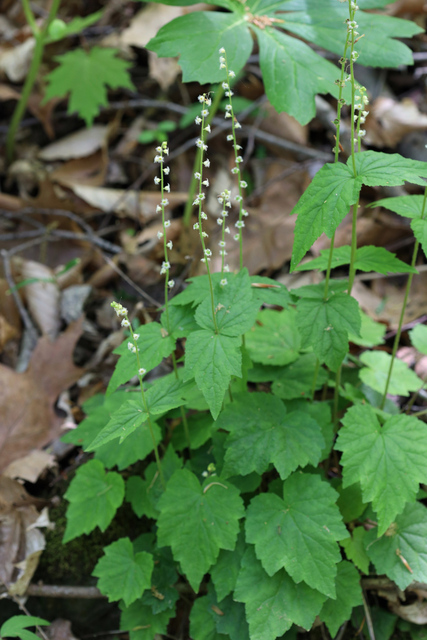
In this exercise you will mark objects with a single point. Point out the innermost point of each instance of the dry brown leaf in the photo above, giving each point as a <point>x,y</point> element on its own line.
<point>390,121</point>
<point>407,8</point>
<point>31,466</point>
<point>7,332</point>
<point>283,125</point>
<point>415,612</point>
<point>27,400</point>
<point>15,62</point>
<point>43,298</point>
<point>7,93</point>
<point>77,145</point>
<point>89,171</point>
<point>132,204</point>
<point>60,630</point>
<point>21,541</point>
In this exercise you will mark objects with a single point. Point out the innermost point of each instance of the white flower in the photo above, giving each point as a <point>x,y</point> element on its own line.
<point>119,309</point>
<point>239,159</point>
<point>207,163</point>
<point>237,125</point>
<point>206,182</point>
<point>198,120</point>
<point>204,113</point>
<point>203,216</point>
<point>204,234</point>
<point>231,73</point>
<point>142,371</point>
<point>165,267</point>
<point>235,170</point>
<point>244,212</point>
<point>156,180</point>
<point>201,99</point>
<point>171,284</point>
<point>222,252</point>
<point>197,175</point>
<point>207,252</point>
<point>227,115</point>
<point>225,85</point>
<point>238,198</point>
<point>158,208</point>
<point>226,268</point>
<point>196,226</point>
<point>239,224</point>
<point>222,60</point>
<point>167,188</point>
<point>167,223</point>
<point>228,107</point>
<point>158,159</point>
<point>159,235</point>
<point>243,184</point>
<point>222,65</point>
<point>222,50</point>
<point>229,138</point>
<point>227,230</point>
<point>221,243</point>
<point>169,244</point>
<point>136,336</point>
<point>219,220</point>
<point>208,128</point>
<point>167,171</point>
<point>165,202</point>
<point>125,323</point>
<point>131,347</point>
<point>237,237</point>
<point>159,149</point>
<point>223,282</point>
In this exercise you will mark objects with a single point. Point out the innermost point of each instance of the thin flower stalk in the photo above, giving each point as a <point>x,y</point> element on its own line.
<point>200,198</point>
<point>402,313</point>
<point>122,313</point>
<point>235,124</point>
<point>163,151</point>
<point>224,200</point>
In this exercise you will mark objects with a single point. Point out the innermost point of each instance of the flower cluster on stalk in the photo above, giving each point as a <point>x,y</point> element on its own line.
<point>161,152</point>
<point>231,137</point>
<point>122,312</point>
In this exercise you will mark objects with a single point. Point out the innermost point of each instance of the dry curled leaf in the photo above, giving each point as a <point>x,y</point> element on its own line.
<point>43,297</point>
<point>27,400</point>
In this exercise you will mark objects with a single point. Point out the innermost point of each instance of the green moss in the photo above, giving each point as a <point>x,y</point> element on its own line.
<point>74,562</point>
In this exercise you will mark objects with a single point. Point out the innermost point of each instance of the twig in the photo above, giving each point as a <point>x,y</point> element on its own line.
<point>22,310</point>
<point>131,282</point>
<point>341,631</point>
<point>63,591</point>
<point>368,618</point>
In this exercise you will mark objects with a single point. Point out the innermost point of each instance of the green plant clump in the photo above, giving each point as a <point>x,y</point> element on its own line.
<point>264,500</point>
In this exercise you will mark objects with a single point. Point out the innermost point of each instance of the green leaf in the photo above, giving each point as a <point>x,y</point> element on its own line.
<point>142,623</point>
<point>388,461</point>
<point>122,423</point>
<point>274,339</point>
<point>197,38</point>
<point>410,207</point>
<point>368,258</point>
<point>181,321</point>
<point>212,359</point>
<point>375,374</point>
<point>334,189</point>
<point>298,533</point>
<point>166,393</point>
<point>17,627</point>
<point>268,291</point>
<point>323,26</point>
<point>235,309</point>
<point>262,432</point>
<point>207,518</point>
<point>144,494</point>
<point>200,426</point>
<point>274,603</point>
<point>76,25</point>
<point>122,573</point>
<point>288,62</point>
<point>225,571</point>
<point>153,344</point>
<point>197,290</point>
<point>354,548</point>
<point>371,332</point>
<point>296,380</point>
<point>233,621</point>
<point>350,502</point>
<point>162,595</point>
<point>322,206</point>
<point>349,594</point>
<point>418,337</point>
<point>202,620</point>
<point>94,498</point>
<point>85,76</point>
<point>325,324</point>
<point>402,545</point>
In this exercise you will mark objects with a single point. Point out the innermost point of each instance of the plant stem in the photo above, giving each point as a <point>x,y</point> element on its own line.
<point>402,313</point>
<point>218,95</point>
<point>40,38</point>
